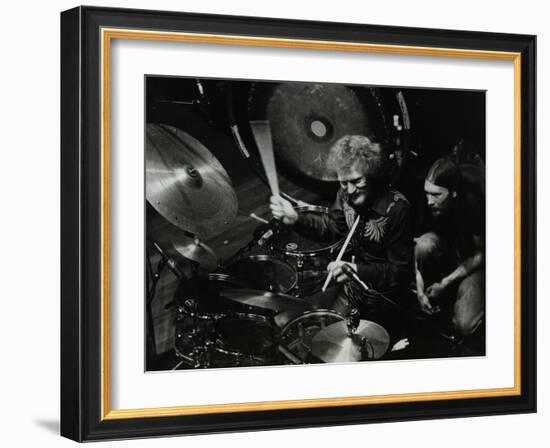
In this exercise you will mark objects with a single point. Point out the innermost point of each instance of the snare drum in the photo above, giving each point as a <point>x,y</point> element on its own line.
<point>265,273</point>
<point>309,256</point>
<point>298,333</point>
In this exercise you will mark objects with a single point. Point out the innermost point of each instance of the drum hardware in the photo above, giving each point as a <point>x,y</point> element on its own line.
<point>289,355</point>
<point>225,340</point>
<point>298,332</point>
<point>260,237</point>
<point>181,102</point>
<point>153,277</point>
<point>169,261</point>
<point>189,102</point>
<point>214,334</point>
<point>350,340</point>
<point>352,275</point>
<point>219,358</point>
<point>198,310</point>
<point>196,337</point>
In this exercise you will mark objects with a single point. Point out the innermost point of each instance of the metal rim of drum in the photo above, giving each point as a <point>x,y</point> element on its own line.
<point>257,360</point>
<point>320,312</point>
<point>263,257</point>
<point>213,276</point>
<point>242,316</point>
<point>313,252</point>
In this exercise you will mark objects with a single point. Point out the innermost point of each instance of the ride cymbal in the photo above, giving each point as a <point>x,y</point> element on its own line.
<point>335,344</point>
<point>186,184</point>
<point>195,250</point>
<point>266,300</point>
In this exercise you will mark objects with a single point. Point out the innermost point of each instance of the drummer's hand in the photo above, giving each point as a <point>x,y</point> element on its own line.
<point>335,267</point>
<point>283,210</point>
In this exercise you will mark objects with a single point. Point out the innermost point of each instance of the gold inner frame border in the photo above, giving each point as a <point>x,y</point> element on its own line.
<point>107,35</point>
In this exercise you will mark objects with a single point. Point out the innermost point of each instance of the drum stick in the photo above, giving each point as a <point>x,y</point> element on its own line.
<point>258,218</point>
<point>342,250</point>
<point>262,135</point>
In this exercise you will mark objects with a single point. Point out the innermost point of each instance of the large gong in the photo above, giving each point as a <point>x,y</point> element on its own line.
<point>308,118</point>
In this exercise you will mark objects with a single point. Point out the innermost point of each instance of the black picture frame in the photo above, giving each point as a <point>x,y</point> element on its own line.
<point>82,397</point>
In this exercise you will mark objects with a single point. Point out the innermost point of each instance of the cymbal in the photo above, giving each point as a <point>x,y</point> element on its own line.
<point>307,119</point>
<point>176,243</point>
<point>186,184</point>
<point>266,300</point>
<point>194,250</point>
<point>335,344</point>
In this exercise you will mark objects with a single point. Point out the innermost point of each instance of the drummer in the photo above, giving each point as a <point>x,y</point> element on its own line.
<point>382,244</point>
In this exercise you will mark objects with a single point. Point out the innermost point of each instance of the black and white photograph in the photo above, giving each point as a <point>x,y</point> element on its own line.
<point>292,223</point>
<point>273,222</point>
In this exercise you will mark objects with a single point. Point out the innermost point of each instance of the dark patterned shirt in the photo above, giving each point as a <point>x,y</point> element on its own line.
<point>382,243</point>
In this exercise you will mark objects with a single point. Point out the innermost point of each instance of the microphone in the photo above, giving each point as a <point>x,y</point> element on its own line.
<point>260,236</point>
<point>267,232</point>
<point>348,270</point>
<point>265,237</point>
<point>169,261</point>
<point>355,278</point>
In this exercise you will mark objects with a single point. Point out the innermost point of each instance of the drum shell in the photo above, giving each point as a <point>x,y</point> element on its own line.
<point>246,334</point>
<point>298,333</point>
<point>265,273</point>
<point>309,256</point>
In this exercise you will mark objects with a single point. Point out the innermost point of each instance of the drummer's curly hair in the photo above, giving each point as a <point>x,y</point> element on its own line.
<point>359,151</point>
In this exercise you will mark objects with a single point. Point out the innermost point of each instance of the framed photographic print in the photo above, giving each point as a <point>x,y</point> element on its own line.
<point>274,224</point>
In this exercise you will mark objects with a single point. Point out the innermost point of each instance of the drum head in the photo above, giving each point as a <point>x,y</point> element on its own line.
<point>264,273</point>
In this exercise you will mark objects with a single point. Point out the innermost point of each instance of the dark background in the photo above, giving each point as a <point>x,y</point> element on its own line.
<point>439,118</point>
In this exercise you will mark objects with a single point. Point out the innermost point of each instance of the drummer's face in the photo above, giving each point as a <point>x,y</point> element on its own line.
<point>355,184</point>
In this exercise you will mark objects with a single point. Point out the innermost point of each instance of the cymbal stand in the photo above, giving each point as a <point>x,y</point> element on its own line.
<point>202,336</point>
<point>352,323</point>
<point>154,276</point>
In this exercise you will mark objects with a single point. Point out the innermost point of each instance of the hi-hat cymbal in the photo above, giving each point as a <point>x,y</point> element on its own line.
<point>186,184</point>
<point>196,251</point>
<point>335,344</point>
<point>176,243</point>
<point>307,119</point>
<point>266,300</point>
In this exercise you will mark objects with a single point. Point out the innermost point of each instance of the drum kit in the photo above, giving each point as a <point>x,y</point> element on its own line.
<point>252,309</point>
